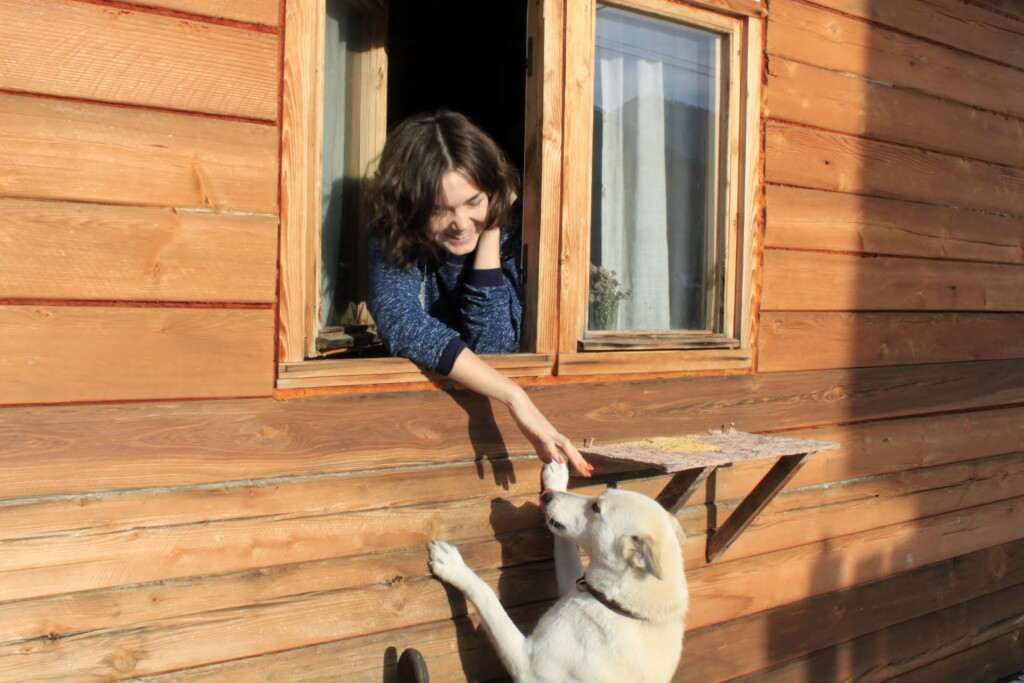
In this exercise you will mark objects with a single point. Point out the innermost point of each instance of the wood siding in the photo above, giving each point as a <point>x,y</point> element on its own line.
<point>162,517</point>
<point>138,166</point>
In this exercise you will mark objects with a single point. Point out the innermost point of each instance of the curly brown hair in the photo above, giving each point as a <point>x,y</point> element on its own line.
<point>405,189</point>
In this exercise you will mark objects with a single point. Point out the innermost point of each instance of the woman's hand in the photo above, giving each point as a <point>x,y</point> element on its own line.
<point>488,250</point>
<point>546,440</point>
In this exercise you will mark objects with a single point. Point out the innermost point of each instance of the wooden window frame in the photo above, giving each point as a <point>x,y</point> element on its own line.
<point>636,352</point>
<point>301,131</point>
<point>555,196</point>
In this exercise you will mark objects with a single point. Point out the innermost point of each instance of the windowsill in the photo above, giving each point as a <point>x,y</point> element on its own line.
<point>631,362</point>
<point>376,371</point>
<point>656,341</point>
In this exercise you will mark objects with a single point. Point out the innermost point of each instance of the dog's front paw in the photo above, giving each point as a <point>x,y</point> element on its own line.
<point>445,561</point>
<point>555,476</point>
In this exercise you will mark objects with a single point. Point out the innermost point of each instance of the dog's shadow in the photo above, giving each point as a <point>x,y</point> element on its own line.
<point>511,525</point>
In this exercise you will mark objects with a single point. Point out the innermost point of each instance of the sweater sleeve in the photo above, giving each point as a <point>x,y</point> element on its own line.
<point>492,299</point>
<point>405,328</point>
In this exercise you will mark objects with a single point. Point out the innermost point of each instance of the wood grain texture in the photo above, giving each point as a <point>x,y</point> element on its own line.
<point>992,660</point>
<point>841,163</point>
<point>810,341</point>
<point>746,647</point>
<point>816,97</point>
<point>200,442</point>
<point>114,155</point>
<point>60,250</point>
<point>831,221</point>
<point>901,649</point>
<point>814,281</point>
<point>294,619</point>
<point>61,354</point>
<point>301,101</point>
<point>265,12</point>
<point>577,143</point>
<point>319,586</point>
<point>88,51</point>
<point>969,27</point>
<point>812,35</point>
<point>712,654</point>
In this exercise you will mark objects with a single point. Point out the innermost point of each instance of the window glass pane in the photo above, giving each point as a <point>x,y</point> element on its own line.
<point>341,172</point>
<point>658,102</point>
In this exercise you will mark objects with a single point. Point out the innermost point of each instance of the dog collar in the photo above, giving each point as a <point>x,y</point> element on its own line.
<point>584,587</point>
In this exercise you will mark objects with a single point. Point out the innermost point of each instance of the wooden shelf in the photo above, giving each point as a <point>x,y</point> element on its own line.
<point>692,458</point>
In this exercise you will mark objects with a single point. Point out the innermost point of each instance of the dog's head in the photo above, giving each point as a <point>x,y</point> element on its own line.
<point>621,531</point>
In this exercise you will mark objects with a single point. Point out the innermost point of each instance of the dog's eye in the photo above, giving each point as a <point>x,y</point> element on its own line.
<point>596,507</point>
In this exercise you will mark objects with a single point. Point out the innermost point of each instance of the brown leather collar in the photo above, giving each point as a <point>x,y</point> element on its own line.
<point>584,587</point>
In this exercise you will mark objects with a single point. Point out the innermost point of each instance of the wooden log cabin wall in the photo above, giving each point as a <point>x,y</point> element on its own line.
<point>166,514</point>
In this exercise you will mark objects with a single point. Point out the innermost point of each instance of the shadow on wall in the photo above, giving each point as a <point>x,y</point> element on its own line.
<point>893,238</point>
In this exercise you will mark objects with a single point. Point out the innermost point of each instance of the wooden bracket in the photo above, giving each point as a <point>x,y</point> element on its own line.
<point>692,459</point>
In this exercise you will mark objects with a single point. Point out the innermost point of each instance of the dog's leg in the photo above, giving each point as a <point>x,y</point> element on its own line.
<point>568,566</point>
<point>448,565</point>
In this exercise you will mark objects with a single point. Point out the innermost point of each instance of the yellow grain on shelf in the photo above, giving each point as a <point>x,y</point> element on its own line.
<point>670,443</point>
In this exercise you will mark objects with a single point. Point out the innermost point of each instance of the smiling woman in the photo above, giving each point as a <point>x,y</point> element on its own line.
<point>445,260</point>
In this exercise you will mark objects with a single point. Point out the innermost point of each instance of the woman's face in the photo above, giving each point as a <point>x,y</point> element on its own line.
<point>460,216</point>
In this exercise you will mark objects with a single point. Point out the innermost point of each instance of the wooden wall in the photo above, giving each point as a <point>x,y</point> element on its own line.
<point>138,199</point>
<point>248,539</point>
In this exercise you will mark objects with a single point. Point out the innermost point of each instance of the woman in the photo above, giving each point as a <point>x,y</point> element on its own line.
<point>445,274</point>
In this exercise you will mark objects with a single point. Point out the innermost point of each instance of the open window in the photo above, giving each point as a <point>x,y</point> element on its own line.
<point>353,69</point>
<point>660,243</point>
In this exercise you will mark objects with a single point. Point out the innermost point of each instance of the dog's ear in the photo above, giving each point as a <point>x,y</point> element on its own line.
<point>642,553</point>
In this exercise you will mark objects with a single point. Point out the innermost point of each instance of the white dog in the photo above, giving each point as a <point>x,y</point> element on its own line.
<point>620,622</point>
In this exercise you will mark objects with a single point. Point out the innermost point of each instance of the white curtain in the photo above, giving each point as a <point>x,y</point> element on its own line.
<point>655,164</point>
<point>634,214</point>
<point>336,234</point>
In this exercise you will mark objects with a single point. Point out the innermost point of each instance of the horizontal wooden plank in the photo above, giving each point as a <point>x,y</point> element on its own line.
<point>63,354</point>
<point>197,442</point>
<point>821,98</point>
<point>841,163</point>
<point>210,637</point>
<point>866,450</point>
<point>748,646</point>
<point>721,593</point>
<point>60,250</point>
<point>997,659</point>
<point>948,632</point>
<point>814,515</point>
<point>739,588</point>
<point>714,654</point>
<point>84,50</point>
<point>807,341</point>
<point>359,371</point>
<point>113,155</point>
<point>456,651</point>
<point>832,221</point>
<point>639,362</point>
<point>813,35</point>
<point>814,281</point>
<point>388,576</point>
<point>93,558</point>
<point>266,12</point>
<point>969,27</point>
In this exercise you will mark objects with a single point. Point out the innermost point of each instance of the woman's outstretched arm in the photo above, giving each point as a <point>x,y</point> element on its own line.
<point>473,373</point>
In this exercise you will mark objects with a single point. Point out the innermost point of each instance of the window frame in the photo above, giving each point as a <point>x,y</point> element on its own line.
<point>301,132</point>
<point>557,162</point>
<point>636,351</point>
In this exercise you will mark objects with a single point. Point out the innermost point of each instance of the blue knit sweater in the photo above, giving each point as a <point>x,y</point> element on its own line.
<point>431,313</point>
